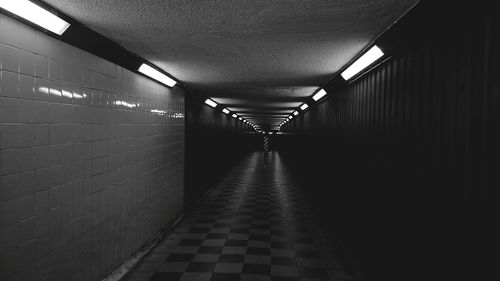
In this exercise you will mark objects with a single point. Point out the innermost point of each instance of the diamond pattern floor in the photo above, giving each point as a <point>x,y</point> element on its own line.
<point>254,225</point>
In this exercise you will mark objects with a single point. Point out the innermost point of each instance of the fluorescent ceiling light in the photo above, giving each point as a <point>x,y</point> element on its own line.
<point>240,118</point>
<point>290,117</point>
<point>304,106</point>
<point>235,116</point>
<point>156,75</point>
<point>160,112</point>
<point>35,14</point>
<point>126,104</point>
<point>321,93</point>
<point>295,113</point>
<point>365,60</point>
<point>211,103</point>
<point>225,111</point>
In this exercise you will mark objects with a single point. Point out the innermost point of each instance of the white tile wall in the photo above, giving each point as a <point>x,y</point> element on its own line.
<point>87,173</point>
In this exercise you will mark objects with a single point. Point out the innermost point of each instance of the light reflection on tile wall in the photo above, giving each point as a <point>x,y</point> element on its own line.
<point>92,159</point>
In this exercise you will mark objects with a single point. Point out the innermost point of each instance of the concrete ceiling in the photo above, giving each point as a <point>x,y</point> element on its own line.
<point>260,58</point>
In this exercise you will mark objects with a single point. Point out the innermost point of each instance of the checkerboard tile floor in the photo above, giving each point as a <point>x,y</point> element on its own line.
<point>253,226</point>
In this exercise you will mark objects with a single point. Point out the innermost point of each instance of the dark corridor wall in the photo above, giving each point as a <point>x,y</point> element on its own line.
<point>214,143</point>
<point>397,160</point>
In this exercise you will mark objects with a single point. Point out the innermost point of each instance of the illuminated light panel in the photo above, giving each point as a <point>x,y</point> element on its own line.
<point>363,62</point>
<point>295,113</point>
<point>211,103</point>
<point>304,106</point>
<point>67,94</point>
<point>78,96</point>
<point>235,116</point>
<point>160,112</point>
<point>126,104</point>
<point>225,111</point>
<point>55,92</point>
<point>35,14</point>
<point>321,93</point>
<point>156,75</point>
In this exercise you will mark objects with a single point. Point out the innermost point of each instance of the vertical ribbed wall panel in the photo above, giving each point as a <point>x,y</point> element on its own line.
<point>387,157</point>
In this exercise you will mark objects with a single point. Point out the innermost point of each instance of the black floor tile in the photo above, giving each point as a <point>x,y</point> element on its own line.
<point>191,242</point>
<point>312,272</point>
<point>210,249</point>
<point>206,220</point>
<point>308,254</point>
<point>283,261</point>
<point>199,230</point>
<point>236,243</point>
<point>284,278</point>
<point>216,236</point>
<point>240,230</point>
<point>260,217</point>
<point>201,267</point>
<point>225,277</point>
<point>260,226</point>
<point>166,276</point>
<point>259,237</point>
<point>256,268</point>
<point>218,225</point>
<point>179,257</point>
<point>277,232</point>
<point>258,251</point>
<point>280,245</point>
<point>232,258</point>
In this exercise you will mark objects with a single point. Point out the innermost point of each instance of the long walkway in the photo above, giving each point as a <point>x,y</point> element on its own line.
<point>253,226</point>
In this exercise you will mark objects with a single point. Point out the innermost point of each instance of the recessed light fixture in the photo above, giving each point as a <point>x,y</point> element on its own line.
<point>240,118</point>
<point>211,103</point>
<point>235,116</point>
<point>364,61</point>
<point>225,111</point>
<point>35,14</point>
<point>321,93</point>
<point>295,113</point>
<point>156,75</point>
<point>304,106</point>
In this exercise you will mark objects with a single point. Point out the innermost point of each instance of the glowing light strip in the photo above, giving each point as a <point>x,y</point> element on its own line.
<point>321,93</point>
<point>35,14</point>
<point>364,61</point>
<point>156,75</point>
<point>211,103</point>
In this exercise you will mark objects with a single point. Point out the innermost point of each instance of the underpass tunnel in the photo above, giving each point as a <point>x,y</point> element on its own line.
<point>248,140</point>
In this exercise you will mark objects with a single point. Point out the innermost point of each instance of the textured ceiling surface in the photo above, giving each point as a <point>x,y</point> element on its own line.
<point>258,57</point>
